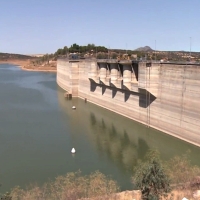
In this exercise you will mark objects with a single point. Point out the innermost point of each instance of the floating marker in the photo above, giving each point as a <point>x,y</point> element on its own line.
<point>73,150</point>
<point>73,107</point>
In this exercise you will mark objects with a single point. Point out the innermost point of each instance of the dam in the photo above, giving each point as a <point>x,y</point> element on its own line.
<point>161,95</point>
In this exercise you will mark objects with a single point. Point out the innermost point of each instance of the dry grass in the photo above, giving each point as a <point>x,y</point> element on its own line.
<point>73,186</point>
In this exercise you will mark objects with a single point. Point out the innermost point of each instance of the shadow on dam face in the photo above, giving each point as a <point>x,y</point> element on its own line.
<point>135,70</point>
<point>103,89</point>
<point>145,97</point>
<point>93,85</point>
<point>114,92</point>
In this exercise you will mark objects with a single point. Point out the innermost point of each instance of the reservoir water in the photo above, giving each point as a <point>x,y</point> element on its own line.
<point>38,129</point>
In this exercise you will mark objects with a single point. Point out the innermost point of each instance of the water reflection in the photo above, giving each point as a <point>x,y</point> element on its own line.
<point>115,145</point>
<point>120,139</point>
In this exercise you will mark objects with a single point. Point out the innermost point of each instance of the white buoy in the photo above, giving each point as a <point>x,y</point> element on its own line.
<point>73,107</point>
<point>73,150</point>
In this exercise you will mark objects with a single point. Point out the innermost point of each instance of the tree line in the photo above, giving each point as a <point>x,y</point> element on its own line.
<point>75,48</point>
<point>101,52</point>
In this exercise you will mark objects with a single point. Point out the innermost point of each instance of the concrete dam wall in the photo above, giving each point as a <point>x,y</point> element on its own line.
<point>165,96</point>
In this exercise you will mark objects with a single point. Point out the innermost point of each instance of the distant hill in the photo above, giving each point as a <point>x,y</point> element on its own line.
<point>146,48</point>
<point>11,56</point>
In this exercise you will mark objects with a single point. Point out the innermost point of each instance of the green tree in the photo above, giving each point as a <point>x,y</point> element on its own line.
<point>102,56</point>
<point>65,50</point>
<point>150,177</point>
<point>74,48</point>
<point>59,51</point>
<point>114,55</point>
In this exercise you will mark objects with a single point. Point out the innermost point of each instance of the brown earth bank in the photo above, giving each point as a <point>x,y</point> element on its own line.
<point>27,64</point>
<point>176,194</point>
<point>173,195</point>
<point>136,195</point>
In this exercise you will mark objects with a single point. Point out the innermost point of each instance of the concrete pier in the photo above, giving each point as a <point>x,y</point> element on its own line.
<point>115,74</point>
<point>104,72</point>
<point>127,74</point>
<point>93,71</point>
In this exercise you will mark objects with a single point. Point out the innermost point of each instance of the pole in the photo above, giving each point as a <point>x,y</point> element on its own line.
<point>108,52</point>
<point>155,50</point>
<point>190,49</point>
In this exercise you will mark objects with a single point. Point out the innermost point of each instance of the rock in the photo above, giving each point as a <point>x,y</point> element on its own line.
<point>196,194</point>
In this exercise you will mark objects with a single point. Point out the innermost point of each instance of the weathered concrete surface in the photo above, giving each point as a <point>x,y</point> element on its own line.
<point>161,95</point>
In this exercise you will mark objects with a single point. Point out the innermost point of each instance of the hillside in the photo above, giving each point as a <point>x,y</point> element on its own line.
<point>28,62</point>
<point>146,48</point>
<point>10,56</point>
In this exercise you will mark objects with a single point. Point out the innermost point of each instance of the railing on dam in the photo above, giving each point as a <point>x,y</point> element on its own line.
<point>99,60</point>
<point>120,61</point>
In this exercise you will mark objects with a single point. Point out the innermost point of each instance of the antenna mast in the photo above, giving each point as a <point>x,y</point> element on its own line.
<point>155,50</point>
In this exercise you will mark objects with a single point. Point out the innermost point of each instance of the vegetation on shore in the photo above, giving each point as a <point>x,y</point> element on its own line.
<point>155,180</point>
<point>72,186</point>
<point>100,52</point>
<point>48,61</point>
<point>150,177</point>
<point>143,53</point>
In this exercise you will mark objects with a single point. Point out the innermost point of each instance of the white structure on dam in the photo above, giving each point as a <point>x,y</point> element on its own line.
<point>165,96</point>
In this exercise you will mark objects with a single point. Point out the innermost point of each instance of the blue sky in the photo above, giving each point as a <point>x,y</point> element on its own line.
<point>43,26</point>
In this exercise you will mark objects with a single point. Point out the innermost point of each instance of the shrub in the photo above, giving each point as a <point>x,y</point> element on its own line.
<point>181,173</point>
<point>72,186</point>
<point>150,177</point>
